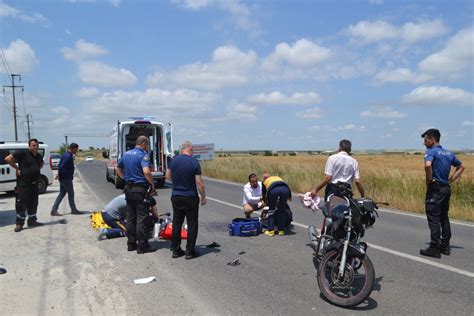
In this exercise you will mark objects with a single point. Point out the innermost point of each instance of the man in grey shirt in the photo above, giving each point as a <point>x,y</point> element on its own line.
<point>115,213</point>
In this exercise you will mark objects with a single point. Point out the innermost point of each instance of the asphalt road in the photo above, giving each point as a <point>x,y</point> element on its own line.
<point>277,274</point>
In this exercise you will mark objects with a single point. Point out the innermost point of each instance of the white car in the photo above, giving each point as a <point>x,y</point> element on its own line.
<point>8,175</point>
<point>89,158</point>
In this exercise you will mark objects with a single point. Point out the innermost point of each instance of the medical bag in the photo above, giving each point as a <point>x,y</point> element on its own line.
<point>245,227</point>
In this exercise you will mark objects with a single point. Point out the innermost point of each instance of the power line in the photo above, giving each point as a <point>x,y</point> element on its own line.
<point>13,86</point>
<point>5,63</point>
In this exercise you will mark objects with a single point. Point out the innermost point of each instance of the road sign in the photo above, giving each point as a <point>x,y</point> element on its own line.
<point>203,151</point>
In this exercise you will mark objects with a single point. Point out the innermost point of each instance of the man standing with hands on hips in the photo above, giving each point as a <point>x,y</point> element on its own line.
<point>185,172</point>
<point>134,168</point>
<point>438,162</point>
<point>28,171</point>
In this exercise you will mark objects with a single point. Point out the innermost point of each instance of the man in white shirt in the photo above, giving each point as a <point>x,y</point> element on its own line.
<point>340,167</point>
<point>253,199</point>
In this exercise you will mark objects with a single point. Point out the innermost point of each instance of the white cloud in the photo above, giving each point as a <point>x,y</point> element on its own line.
<point>400,75</point>
<point>241,12</point>
<point>382,112</point>
<point>83,50</point>
<point>278,98</point>
<point>302,53</point>
<point>242,112</point>
<point>367,32</point>
<point>455,60</point>
<point>229,68</point>
<point>174,105</point>
<point>310,114</point>
<point>468,123</point>
<point>7,11</point>
<point>100,74</point>
<point>87,92</point>
<point>60,110</point>
<point>20,57</point>
<point>438,95</point>
<point>424,30</point>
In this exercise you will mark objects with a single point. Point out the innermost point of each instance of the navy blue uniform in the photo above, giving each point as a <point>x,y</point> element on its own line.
<point>438,195</point>
<point>65,175</point>
<point>185,200</point>
<point>136,188</point>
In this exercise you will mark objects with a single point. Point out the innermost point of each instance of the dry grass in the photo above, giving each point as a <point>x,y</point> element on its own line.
<point>397,179</point>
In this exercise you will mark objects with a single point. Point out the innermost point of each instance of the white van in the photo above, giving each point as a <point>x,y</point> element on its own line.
<point>7,173</point>
<point>123,138</point>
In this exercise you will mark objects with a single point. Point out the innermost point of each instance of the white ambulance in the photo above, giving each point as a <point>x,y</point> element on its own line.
<point>8,175</point>
<point>123,138</point>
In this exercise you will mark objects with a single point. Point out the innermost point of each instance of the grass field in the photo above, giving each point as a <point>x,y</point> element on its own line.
<point>397,179</point>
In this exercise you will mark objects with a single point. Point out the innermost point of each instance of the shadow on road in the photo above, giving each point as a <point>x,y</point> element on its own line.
<point>7,218</point>
<point>366,305</point>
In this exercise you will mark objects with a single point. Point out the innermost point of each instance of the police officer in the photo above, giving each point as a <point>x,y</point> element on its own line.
<point>28,172</point>
<point>438,162</point>
<point>134,168</point>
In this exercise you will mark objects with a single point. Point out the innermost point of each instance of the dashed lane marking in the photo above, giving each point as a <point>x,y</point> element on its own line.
<point>380,248</point>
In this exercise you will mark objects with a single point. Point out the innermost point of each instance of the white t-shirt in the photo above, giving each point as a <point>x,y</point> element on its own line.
<point>252,195</point>
<point>342,167</point>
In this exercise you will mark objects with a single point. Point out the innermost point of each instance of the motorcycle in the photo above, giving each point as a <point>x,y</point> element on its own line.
<point>346,274</point>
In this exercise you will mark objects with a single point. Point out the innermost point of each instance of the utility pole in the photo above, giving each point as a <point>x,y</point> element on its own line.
<point>28,123</point>
<point>14,104</point>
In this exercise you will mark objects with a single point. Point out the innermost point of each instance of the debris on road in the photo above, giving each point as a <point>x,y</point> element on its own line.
<point>145,280</point>
<point>213,245</point>
<point>235,262</point>
<point>3,271</point>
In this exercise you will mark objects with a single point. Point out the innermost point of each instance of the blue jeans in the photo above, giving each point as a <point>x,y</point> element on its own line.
<point>277,195</point>
<point>65,187</point>
<point>117,226</point>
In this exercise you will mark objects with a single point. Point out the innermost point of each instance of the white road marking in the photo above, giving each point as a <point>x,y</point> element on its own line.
<point>379,210</point>
<point>380,248</point>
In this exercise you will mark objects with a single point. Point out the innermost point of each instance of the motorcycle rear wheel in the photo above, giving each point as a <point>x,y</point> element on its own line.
<point>353,287</point>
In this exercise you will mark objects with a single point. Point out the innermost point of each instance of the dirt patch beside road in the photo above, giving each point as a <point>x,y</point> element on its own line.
<point>57,268</point>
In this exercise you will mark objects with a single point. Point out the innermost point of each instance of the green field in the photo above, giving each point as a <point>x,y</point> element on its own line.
<point>396,179</point>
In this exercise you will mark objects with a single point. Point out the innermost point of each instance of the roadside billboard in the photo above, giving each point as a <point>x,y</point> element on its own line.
<point>203,151</point>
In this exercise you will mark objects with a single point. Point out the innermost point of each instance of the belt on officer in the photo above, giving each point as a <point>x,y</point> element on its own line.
<point>140,184</point>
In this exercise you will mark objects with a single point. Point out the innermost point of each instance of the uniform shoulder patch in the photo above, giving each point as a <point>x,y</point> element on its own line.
<point>146,158</point>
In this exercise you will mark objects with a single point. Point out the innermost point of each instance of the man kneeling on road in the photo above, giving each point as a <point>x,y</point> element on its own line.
<point>253,199</point>
<point>114,215</point>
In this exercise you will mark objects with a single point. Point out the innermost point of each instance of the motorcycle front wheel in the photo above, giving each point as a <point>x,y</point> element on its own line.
<point>353,287</point>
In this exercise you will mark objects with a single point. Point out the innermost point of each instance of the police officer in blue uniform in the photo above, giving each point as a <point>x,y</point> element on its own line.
<point>438,162</point>
<point>134,168</point>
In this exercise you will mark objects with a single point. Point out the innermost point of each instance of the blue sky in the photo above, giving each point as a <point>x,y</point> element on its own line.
<point>243,74</point>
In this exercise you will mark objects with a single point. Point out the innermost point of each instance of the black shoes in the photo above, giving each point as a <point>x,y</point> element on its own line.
<point>146,250</point>
<point>191,254</point>
<point>131,247</point>
<point>445,250</point>
<point>55,213</point>
<point>77,212</point>
<point>177,253</point>
<point>18,228</point>
<point>431,252</point>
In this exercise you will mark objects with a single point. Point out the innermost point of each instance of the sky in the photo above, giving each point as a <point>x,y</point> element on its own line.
<point>244,75</point>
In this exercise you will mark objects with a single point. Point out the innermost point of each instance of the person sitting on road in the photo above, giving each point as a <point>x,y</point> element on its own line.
<point>253,199</point>
<point>114,215</point>
<point>275,190</point>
